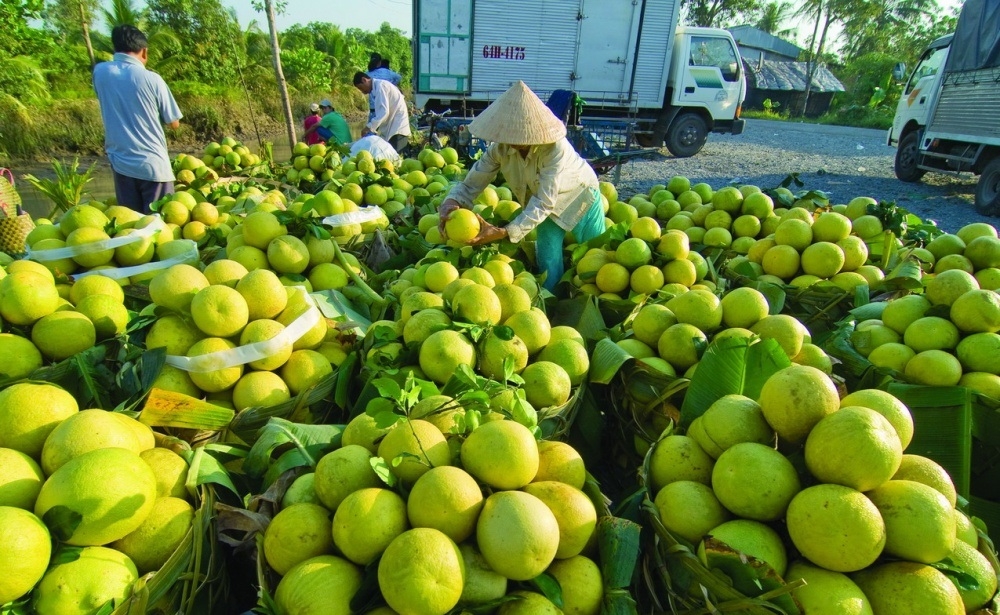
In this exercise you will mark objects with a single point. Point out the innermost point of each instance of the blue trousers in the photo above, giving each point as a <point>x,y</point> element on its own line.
<point>549,239</point>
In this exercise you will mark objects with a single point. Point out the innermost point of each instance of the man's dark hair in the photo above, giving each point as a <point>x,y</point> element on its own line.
<point>375,60</point>
<point>385,64</point>
<point>128,39</point>
<point>359,77</point>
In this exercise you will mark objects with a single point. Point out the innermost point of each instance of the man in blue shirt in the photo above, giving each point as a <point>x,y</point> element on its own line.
<point>378,68</point>
<point>135,105</point>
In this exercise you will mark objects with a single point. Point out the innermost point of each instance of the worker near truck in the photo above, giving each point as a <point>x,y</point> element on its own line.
<point>391,120</point>
<point>558,188</point>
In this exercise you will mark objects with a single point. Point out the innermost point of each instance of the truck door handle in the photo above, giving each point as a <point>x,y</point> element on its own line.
<point>689,90</point>
<point>923,99</point>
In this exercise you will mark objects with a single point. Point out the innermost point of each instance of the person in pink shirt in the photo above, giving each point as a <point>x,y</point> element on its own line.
<point>314,116</point>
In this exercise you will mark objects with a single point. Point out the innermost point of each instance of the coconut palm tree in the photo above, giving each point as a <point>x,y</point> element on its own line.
<point>877,25</point>
<point>825,13</point>
<point>772,16</point>
<point>165,47</point>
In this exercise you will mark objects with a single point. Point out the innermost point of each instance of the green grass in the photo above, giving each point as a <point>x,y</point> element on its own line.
<point>858,117</point>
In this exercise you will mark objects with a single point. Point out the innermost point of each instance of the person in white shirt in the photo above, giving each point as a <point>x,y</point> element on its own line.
<point>557,187</point>
<point>391,120</point>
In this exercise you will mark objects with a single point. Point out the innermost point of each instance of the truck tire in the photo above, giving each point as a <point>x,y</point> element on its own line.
<point>687,135</point>
<point>988,189</point>
<point>907,156</point>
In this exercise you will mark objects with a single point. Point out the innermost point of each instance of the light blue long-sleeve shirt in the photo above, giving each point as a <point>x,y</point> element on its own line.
<point>135,105</point>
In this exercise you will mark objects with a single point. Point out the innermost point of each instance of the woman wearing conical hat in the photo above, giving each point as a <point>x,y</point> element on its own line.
<point>557,188</point>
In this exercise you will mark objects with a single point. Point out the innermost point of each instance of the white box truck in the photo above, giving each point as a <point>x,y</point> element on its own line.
<point>947,120</point>
<point>625,58</point>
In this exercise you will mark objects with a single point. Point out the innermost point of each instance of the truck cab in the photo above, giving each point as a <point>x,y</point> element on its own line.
<point>913,109</point>
<point>706,86</point>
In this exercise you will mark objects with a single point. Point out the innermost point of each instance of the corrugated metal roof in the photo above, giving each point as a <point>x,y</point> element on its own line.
<point>749,36</point>
<point>789,77</point>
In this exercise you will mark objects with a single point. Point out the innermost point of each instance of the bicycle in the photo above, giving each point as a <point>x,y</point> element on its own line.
<point>425,132</point>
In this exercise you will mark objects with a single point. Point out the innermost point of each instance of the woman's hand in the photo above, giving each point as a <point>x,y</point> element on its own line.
<point>488,233</point>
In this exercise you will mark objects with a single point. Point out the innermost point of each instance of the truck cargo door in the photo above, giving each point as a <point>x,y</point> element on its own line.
<point>606,51</point>
<point>443,32</point>
<point>534,41</point>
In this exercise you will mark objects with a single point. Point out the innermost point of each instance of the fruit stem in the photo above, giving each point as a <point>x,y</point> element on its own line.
<point>374,296</point>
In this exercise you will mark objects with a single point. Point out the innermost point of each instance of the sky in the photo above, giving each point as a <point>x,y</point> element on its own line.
<point>365,14</point>
<point>369,14</point>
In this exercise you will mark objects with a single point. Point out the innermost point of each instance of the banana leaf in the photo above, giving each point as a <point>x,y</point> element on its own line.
<point>582,313</point>
<point>310,442</point>
<point>608,357</point>
<point>731,366</point>
<point>618,542</point>
<point>85,376</point>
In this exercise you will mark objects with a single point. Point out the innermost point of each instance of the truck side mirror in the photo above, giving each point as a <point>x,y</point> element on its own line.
<point>899,71</point>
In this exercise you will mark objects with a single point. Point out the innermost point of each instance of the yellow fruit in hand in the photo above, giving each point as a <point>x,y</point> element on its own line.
<point>462,225</point>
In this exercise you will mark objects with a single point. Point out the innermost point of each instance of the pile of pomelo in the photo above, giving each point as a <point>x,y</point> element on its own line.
<point>819,488</point>
<point>88,502</point>
<point>79,241</point>
<point>463,520</point>
<point>222,158</point>
<point>453,495</point>
<point>430,335</point>
<point>48,322</point>
<point>792,245</point>
<point>947,334</point>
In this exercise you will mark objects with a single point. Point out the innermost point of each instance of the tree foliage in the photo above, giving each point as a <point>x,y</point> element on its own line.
<point>305,69</point>
<point>64,17</point>
<point>17,37</point>
<point>719,13</point>
<point>210,37</point>
<point>903,26</point>
<point>773,17</point>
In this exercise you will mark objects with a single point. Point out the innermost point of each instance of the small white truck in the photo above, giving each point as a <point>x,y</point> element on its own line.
<point>947,119</point>
<point>627,59</point>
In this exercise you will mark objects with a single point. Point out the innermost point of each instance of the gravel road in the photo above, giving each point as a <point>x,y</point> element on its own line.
<point>842,161</point>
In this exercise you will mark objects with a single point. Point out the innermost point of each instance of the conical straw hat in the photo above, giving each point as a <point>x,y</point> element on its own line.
<point>518,117</point>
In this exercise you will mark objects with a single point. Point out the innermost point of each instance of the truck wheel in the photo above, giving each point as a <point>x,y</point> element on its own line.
<point>988,190</point>
<point>687,135</point>
<point>907,156</point>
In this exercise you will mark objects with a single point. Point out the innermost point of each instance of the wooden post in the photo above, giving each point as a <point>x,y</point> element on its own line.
<point>279,73</point>
<point>86,35</point>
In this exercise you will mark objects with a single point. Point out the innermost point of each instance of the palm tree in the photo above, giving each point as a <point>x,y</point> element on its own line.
<point>165,47</point>
<point>772,16</point>
<point>123,12</point>
<point>875,25</point>
<point>825,13</point>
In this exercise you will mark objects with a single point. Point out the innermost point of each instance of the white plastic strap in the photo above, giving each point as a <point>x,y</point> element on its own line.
<point>116,273</point>
<point>98,246</point>
<point>242,355</point>
<point>358,216</point>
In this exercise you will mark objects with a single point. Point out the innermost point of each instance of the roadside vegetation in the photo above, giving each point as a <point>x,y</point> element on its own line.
<point>221,71</point>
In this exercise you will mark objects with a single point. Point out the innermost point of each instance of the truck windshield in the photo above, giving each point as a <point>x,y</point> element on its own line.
<point>928,65</point>
<point>718,52</point>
